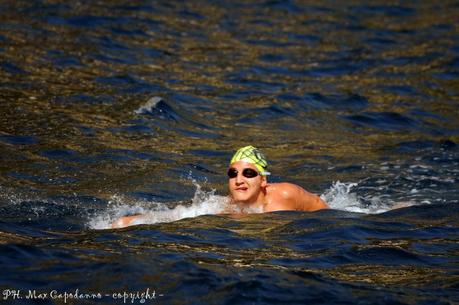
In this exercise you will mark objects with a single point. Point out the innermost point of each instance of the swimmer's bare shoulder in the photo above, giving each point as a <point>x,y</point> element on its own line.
<point>289,196</point>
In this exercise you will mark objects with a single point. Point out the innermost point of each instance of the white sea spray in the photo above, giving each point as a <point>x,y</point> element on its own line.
<point>149,105</point>
<point>340,196</point>
<point>203,203</point>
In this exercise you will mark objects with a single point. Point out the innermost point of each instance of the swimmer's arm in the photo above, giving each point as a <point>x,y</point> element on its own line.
<point>127,221</point>
<point>309,202</point>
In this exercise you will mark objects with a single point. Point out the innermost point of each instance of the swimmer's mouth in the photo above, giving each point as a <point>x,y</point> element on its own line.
<point>241,189</point>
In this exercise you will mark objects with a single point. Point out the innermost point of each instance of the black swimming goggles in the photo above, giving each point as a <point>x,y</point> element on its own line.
<point>246,172</point>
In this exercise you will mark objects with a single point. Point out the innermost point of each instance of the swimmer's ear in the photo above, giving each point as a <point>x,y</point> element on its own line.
<point>264,181</point>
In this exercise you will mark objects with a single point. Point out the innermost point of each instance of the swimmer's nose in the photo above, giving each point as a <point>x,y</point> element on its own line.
<point>239,178</point>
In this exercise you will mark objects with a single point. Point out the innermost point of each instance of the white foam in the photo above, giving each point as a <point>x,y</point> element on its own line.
<point>203,203</point>
<point>341,197</point>
<point>149,105</point>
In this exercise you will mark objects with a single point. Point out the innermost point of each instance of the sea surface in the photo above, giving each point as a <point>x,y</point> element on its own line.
<point>113,108</point>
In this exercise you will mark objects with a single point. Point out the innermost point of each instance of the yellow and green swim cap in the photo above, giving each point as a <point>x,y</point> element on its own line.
<point>253,156</point>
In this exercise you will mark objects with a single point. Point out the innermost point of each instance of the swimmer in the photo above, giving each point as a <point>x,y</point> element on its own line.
<point>250,191</point>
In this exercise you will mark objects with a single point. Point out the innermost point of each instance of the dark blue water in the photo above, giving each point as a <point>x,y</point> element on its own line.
<point>110,109</point>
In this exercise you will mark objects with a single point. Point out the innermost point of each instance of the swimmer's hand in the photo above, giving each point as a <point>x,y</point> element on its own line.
<point>127,221</point>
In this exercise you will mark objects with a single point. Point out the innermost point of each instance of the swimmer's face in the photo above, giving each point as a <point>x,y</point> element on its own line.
<point>245,189</point>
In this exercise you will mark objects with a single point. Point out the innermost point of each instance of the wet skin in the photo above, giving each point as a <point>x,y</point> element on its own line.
<point>255,194</point>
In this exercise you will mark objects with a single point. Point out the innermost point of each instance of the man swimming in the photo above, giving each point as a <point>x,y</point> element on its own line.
<point>249,187</point>
<point>250,191</point>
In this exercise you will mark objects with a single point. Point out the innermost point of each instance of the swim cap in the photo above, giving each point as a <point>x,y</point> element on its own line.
<point>253,156</point>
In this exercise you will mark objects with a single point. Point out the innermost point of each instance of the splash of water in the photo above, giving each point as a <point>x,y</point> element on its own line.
<point>149,105</point>
<point>203,203</point>
<point>11,196</point>
<point>339,196</point>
